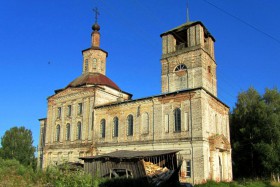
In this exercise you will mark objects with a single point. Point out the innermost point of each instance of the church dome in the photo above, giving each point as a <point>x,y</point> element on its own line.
<point>95,27</point>
<point>93,79</point>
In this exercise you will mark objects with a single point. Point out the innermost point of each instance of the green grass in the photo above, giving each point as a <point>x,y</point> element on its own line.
<point>13,174</point>
<point>243,183</point>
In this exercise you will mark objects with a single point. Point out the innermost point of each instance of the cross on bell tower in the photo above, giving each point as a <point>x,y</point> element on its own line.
<point>95,35</point>
<point>95,57</point>
<point>95,10</point>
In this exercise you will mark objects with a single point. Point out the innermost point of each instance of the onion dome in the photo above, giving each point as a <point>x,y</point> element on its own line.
<point>95,27</point>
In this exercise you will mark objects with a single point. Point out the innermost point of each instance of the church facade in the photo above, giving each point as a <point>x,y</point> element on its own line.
<point>93,116</point>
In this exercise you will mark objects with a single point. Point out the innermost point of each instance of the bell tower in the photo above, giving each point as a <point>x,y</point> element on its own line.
<point>94,58</point>
<point>188,59</point>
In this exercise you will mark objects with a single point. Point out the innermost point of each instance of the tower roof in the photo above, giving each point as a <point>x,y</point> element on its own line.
<point>93,79</point>
<point>187,25</point>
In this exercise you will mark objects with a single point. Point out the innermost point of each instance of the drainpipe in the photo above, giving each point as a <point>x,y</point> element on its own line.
<point>92,125</point>
<point>93,105</point>
<point>191,137</point>
<point>167,76</point>
<point>167,65</point>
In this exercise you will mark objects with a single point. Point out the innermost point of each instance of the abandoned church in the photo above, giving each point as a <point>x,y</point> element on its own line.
<point>93,116</point>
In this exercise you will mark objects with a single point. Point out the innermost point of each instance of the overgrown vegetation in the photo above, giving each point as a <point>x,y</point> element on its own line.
<point>241,183</point>
<point>17,144</point>
<point>255,135</point>
<point>13,174</point>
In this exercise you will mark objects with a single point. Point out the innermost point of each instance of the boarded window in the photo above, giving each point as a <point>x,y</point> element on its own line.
<point>59,112</point>
<point>186,122</point>
<point>79,131</point>
<point>166,123</point>
<point>68,132</point>
<point>145,123</point>
<point>57,133</point>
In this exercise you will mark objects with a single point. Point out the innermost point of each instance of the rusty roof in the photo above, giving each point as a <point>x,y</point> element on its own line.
<point>126,154</point>
<point>93,79</point>
<point>187,25</point>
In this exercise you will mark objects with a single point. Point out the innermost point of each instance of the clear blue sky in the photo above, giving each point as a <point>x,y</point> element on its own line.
<point>41,44</point>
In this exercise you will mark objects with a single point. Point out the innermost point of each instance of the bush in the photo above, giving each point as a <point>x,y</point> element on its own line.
<point>240,183</point>
<point>65,177</point>
<point>121,182</point>
<point>12,173</point>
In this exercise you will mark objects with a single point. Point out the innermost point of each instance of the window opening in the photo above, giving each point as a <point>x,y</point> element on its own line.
<point>181,39</point>
<point>177,116</point>
<point>68,132</point>
<point>103,126</point>
<point>181,67</point>
<point>69,110</point>
<point>94,63</point>
<point>130,125</point>
<point>80,108</point>
<point>116,127</point>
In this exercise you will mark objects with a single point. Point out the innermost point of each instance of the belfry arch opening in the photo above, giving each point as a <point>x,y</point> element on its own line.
<point>181,39</point>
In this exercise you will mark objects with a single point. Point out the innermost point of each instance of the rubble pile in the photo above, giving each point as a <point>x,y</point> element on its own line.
<point>157,174</point>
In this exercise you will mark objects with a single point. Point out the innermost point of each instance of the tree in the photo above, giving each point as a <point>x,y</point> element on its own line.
<point>17,144</point>
<point>255,134</point>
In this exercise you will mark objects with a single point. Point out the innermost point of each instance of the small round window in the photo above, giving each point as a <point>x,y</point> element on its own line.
<point>181,67</point>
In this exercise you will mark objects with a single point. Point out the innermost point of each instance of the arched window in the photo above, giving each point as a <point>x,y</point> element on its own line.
<point>145,123</point>
<point>177,120</point>
<point>68,131</point>
<point>181,67</point>
<point>102,128</point>
<point>116,127</point>
<point>69,110</point>
<point>58,133</point>
<point>80,108</point>
<point>130,125</point>
<point>79,131</point>
<point>94,63</point>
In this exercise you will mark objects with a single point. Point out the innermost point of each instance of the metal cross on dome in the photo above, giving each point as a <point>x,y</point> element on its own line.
<point>96,13</point>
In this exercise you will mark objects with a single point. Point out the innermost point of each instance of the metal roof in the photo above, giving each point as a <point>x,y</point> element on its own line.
<point>93,79</point>
<point>187,25</point>
<point>126,154</point>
